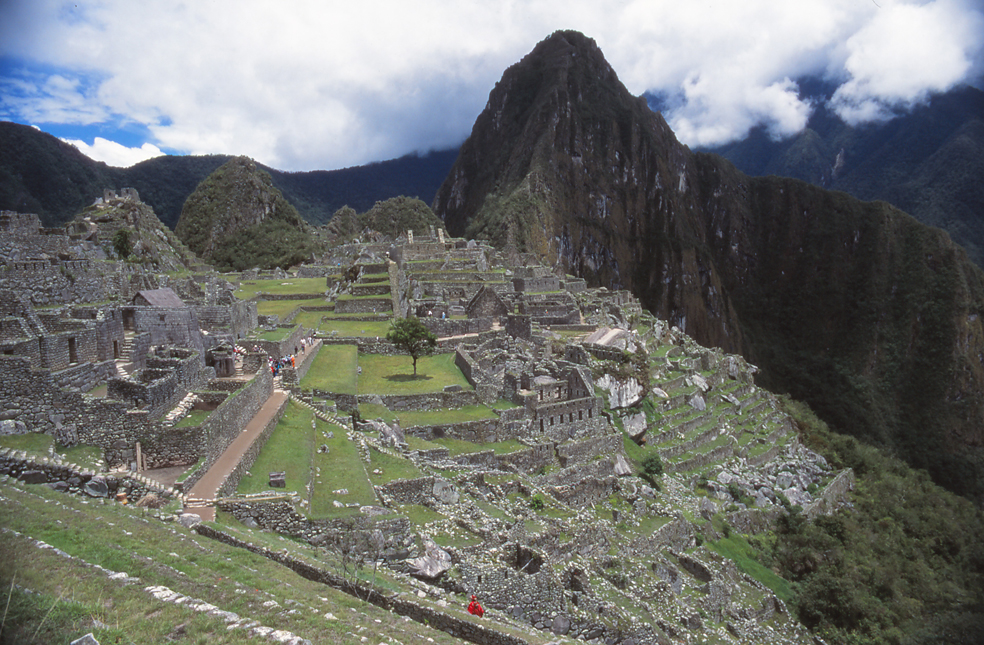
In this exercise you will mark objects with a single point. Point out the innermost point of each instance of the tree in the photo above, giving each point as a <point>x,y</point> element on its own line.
<point>122,243</point>
<point>410,335</point>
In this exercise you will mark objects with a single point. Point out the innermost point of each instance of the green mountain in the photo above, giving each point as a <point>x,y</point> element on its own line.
<point>42,174</point>
<point>928,163</point>
<point>236,219</point>
<point>855,307</point>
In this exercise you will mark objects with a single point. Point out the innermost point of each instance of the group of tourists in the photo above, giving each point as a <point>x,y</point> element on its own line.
<point>287,360</point>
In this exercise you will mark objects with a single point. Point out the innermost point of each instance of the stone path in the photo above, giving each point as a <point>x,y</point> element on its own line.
<point>204,491</point>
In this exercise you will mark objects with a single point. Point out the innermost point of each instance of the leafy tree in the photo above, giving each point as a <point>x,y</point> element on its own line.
<point>122,243</point>
<point>410,335</point>
<point>652,465</point>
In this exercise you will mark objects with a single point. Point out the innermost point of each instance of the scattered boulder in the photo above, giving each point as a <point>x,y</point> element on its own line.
<point>33,477</point>
<point>189,520</point>
<point>622,467</point>
<point>96,487</point>
<point>433,563</point>
<point>445,492</point>
<point>278,479</point>
<point>88,639</point>
<point>622,393</point>
<point>11,427</point>
<point>635,425</point>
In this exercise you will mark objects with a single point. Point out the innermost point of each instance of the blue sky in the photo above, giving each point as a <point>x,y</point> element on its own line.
<point>324,84</point>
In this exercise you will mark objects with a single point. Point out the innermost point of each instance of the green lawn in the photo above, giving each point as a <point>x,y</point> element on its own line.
<point>355,328</point>
<point>292,286</point>
<point>334,370</point>
<point>37,443</point>
<point>290,449</point>
<point>341,469</point>
<point>277,335</point>
<point>193,418</point>
<point>411,418</point>
<point>283,308</point>
<point>390,468</point>
<point>394,374</point>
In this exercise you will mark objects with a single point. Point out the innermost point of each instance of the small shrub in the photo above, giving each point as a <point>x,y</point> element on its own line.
<point>652,465</point>
<point>537,503</point>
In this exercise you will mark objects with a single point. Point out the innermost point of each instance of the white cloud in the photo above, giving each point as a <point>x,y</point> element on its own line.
<point>115,154</point>
<point>306,84</point>
<point>905,53</point>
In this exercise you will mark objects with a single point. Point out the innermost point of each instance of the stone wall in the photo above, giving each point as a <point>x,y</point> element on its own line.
<point>481,431</point>
<point>237,319</point>
<point>228,420</point>
<point>432,401</point>
<point>460,628</point>
<point>586,492</point>
<point>580,452</point>
<point>166,326</point>
<point>565,420</point>
<point>73,478</point>
<point>444,327</point>
<point>231,483</point>
<point>418,491</point>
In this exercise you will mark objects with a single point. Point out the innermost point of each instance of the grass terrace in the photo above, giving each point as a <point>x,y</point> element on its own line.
<point>49,598</point>
<point>36,443</point>
<point>354,328</point>
<point>193,418</point>
<point>394,374</point>
<point>283,308</point>
<point>335,369</point>
<point>290,449</point>
<point>292,286</point>
<point>411,418</point>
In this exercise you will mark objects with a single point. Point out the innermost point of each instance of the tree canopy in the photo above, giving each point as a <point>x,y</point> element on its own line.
<point>411,336</point>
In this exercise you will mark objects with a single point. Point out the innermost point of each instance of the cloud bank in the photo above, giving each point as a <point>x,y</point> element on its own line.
<point>306,84</point>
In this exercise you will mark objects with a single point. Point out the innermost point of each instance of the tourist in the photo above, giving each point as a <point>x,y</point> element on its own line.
<point>475,608</point>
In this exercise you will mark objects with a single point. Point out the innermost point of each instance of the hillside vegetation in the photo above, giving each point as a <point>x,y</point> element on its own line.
<point>236,219</point>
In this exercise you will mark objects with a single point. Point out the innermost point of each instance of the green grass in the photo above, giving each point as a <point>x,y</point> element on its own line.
<point>411,418</point>
<point>290,449</point>
<point>391,468</point>
<point>420,515</point>
<point>32,442</point>
<point>283,308</point>
<point>193,418</point>
<point>355,328</point>
<point>334,370</point>
<point>394,374</point>
<point>292,286</point>
<point>310,319</point>
<point>47,598</point>
<point>340,468</point>
<point>736,548</point>
<point>277,335</point>
<point>85,456</point>
<point>40,444</point>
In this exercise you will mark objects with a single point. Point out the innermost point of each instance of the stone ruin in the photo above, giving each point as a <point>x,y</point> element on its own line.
<point>551,533</point>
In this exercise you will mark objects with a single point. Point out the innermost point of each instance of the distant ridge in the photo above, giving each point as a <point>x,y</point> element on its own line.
<point>42,174</point>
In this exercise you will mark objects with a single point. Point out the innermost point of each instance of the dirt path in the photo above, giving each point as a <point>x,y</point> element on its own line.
<point>208,485</point>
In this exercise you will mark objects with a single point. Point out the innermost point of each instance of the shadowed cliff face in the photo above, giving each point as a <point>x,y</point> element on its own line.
<point>871,317</point>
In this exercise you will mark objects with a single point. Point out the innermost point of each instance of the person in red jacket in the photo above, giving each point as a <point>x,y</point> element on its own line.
<point>475,608</point>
